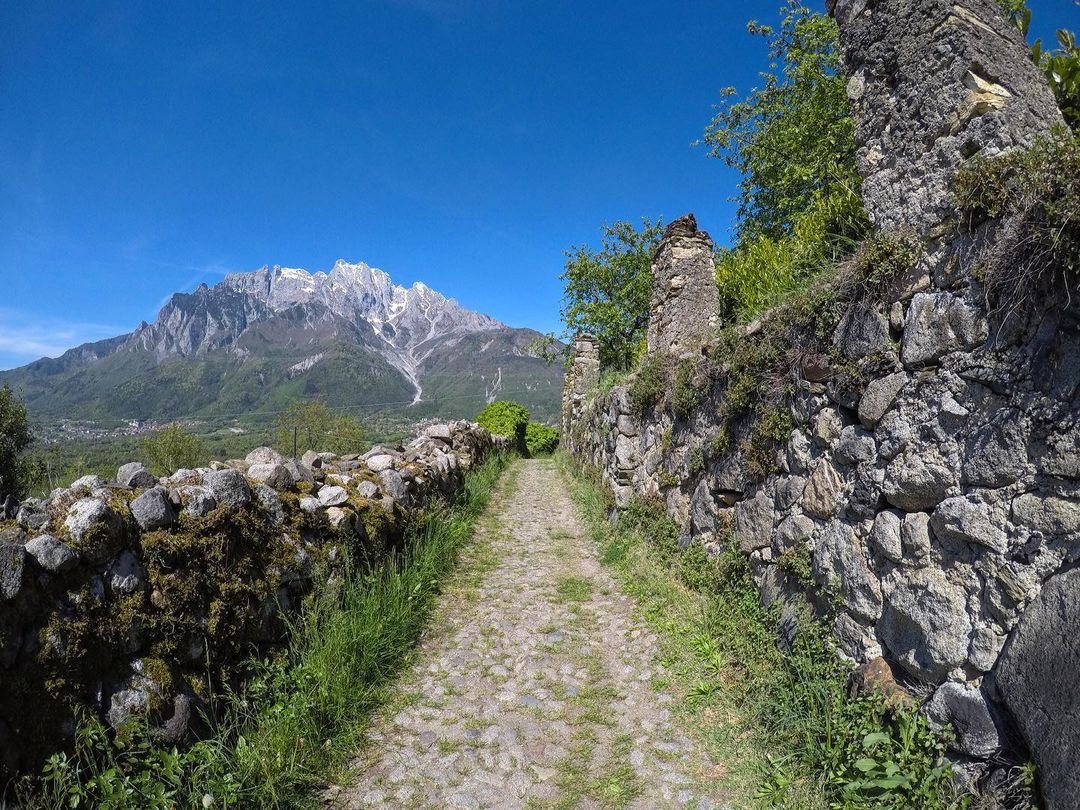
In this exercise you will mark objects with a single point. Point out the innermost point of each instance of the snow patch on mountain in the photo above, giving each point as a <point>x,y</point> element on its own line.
<point>403,318</point>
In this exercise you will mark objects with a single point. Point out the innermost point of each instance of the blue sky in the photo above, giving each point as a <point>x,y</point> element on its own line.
<point>148,147</point>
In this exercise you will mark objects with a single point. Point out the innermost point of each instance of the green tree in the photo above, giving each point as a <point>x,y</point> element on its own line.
<point>792,139</point>
<point>15,436</point>
<point>173,448</point>
<point>316,426</point>
<point>607,292</point>
<point>506,418</point>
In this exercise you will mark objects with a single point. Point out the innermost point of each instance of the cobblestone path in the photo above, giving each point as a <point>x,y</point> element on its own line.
<point>536,685</point>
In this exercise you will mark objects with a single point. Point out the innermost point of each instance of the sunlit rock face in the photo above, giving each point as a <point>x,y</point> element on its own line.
<point>933,83</point>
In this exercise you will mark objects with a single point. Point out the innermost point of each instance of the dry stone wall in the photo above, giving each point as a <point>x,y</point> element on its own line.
<point>140,595</point>
<point>932,477</point>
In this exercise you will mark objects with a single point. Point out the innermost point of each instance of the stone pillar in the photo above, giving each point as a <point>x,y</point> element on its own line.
<point>933,83</point>
<point>684,310</point>
<point>581,377</point>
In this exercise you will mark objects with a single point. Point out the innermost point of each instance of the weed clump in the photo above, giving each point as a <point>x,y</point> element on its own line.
<point>689,389</point>
<point>647,387</point>
<point>1036,196</point>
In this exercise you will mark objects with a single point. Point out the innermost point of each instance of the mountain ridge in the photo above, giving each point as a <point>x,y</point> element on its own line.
<point>351,336</point>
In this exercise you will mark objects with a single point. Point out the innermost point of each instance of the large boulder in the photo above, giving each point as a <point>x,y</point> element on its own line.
<point>52,554</point>
<point>198,502</point>
<point>274,474</point>
<point>862,331</point>
<point>1036,678</point>
<point>879,397</point>
<point>839,561</point>
<point>924,621</point>
<point>937,324</point>
<point>94,528</point>
<point>971,716</point>
<point>1050,515</point>
<point>12,564</point>
<point>967,520</point>
<point>823,489</point>
<point>333,496</point>
<point>135,476</point>
<point>918,480</point>
<point>996,453</point>
<point>301,473</point>
<point>32,515</point>
<point>263,455</point>
<point>380,462</point>
<point>392,484</point>
<point>754,522</point>
<point>229,488</point>
<point>153,510</point>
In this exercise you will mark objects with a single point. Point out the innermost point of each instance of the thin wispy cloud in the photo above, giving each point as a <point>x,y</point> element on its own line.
<point>25,337</point>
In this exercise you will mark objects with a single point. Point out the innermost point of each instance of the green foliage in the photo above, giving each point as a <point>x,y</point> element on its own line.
<point>541,439</point>
<point>792,139</point>
<point>173,448</point>
<point>297,716</point>
<point>548,349</point>
<point>648,384</point>
<point>316,426</point>
<point>667,479</point>
<point>607,292</point>
<point>689,389</point>
<point>1060,65</point>
<point>763,270</point>
<point>697,461</point>
<point>771,428</point>
<point>1036,195</point>
<point>882,259</point>
<point>15,437</point>
<point>506,418</point>
<point>647,517</point>
<point>796,562</point>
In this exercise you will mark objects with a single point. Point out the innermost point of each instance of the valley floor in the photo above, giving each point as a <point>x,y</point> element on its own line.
<point>536,686</point>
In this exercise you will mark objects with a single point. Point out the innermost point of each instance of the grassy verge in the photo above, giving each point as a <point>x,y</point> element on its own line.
<point>299,716</point>
<point>781,722</point>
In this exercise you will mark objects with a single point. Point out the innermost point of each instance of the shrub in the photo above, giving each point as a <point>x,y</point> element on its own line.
<point>689,389</point>
<point>541,439</point>
<point>880,261</point>
<point>506,418</point>
<point>697,461</point>
<point>173,448</point>
<point>761,271</point>
<point>647,387</point>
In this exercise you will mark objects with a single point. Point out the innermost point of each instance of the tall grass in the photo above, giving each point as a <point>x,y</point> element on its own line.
<point>299,716</point>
